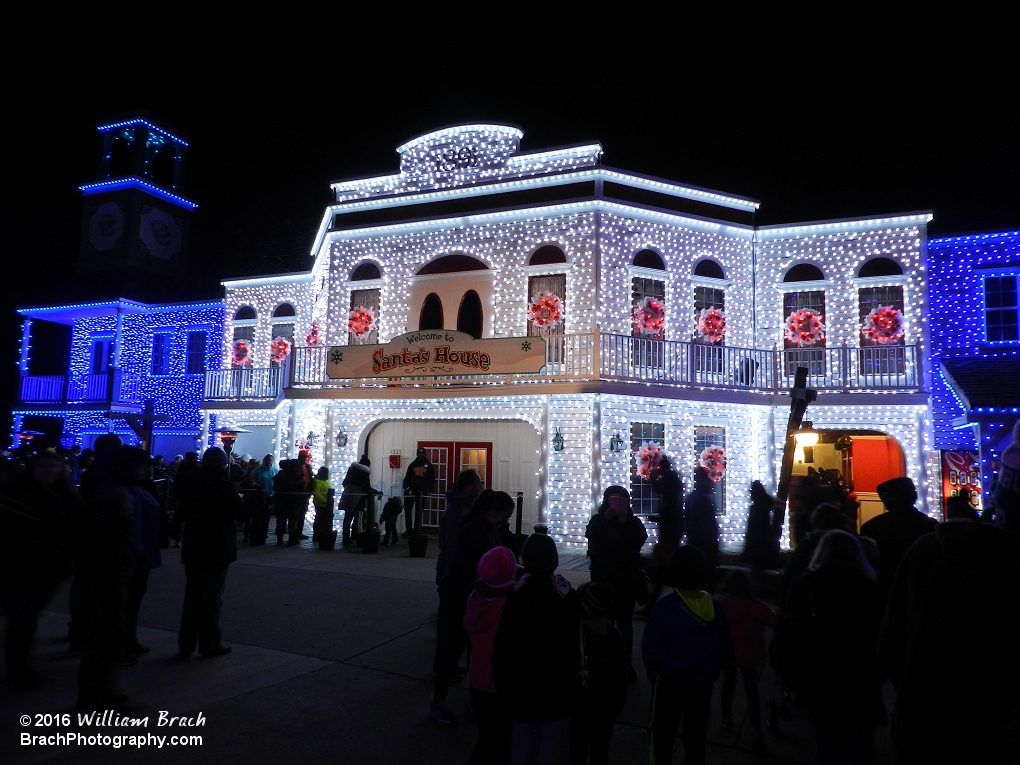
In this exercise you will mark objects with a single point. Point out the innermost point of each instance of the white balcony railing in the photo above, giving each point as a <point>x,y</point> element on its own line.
<point>588,357</point>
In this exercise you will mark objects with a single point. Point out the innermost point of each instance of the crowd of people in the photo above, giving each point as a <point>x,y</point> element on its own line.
<point>904,600</point>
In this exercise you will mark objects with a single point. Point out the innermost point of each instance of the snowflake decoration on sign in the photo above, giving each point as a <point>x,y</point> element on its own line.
<point>713,459</point>
<point>336,357</point>
<point>647,458</point>
<point>240,354</point>
<point>525,346</point>
<point>649,317</point>
<point>279,349</point>
<point>546,310</point>
<point>361,321</point>
<point>804,327</point>
<point>712,325</point>
<point>884,325</point>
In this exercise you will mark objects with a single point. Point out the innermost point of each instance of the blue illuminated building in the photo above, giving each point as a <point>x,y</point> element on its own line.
<point>122,354</point>
<point>973,283</point>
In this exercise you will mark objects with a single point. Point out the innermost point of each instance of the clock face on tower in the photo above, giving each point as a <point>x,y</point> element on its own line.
<point>106,226</point>
<point>160,234</point>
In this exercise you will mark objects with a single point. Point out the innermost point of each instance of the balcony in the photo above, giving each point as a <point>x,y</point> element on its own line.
<point>106,388</point>
<point>619,358</point>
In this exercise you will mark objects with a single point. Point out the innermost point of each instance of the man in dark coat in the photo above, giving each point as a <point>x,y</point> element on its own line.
<point>420,479</point>
<point>896,529</point>
<point>458,504</point>
<point>290,502</point>
<point>211,511</point>
<point>699,515</point>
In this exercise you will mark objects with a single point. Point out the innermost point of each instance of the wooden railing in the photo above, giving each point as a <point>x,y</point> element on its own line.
<point>106,387</point>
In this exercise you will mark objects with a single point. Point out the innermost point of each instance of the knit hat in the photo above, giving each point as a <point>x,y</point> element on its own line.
<point>539,555</point>
<point>687,568</point>
<point>614,490</point>
<point>897,493</point>
<point>214,457</point>
<point>498,567</point>
<point>244,459</point>
<point>1007,490</point>
<point>596,599</point>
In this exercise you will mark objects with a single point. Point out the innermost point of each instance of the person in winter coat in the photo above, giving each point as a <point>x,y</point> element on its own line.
<point>699,515</point>
<point>420,479</point>
<point>895,530</point>
<point>686,645</point>
<point>459,499</point>
<point>826,643</point>
<point>149,524</point>
<point>955,590</point>
<point>290,502</point>
<point>37,508</point>
<point>615,538</point>
<point>670,489</point>
<point>748,618</point>
<point>479,533</point>
<point>357,487</point>
<point>497,573</point>
<point>388,520</point>
<point>541,691</point>
<point>606,665</point>
<point>211,511</point>
<point>107,565</point>
<point>764,529</point>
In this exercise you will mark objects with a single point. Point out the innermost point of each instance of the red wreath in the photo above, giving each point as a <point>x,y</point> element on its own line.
<point>279,349</point>
<point>240,354</point>
<point>546,310</point>
<point>649,318</point>
<point>713,459</point>
<point>805,327</point>
<point>884,325</point>
<point>361,322</point>
<point>712,325</point>
<point>647,458</point>
<point>312,338</point>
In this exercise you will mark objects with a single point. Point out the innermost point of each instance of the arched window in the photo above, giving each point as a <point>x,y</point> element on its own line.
<point>469,317</point>
<point>709,269</point>
<point>649,259</point>
<point>244,313</point>
<point>451,264</point>
<point>804,272</point>
<point>543,256</point>
<point>880,267</point>
<point>284,309</point>
<point>365,271</point>
<point>431,316</point>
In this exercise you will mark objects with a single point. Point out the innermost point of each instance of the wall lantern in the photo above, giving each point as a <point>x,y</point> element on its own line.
<point>807,435</point>
<point>341,437</point>
<point>557,441</point>
<point>616,443</point>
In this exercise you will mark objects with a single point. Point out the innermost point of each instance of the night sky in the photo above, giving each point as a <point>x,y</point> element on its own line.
<point>876,118</point>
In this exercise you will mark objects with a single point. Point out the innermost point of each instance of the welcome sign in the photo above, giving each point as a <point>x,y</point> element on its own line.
<point>437,352</point>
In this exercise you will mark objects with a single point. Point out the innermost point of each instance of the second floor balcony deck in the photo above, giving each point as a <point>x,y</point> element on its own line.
<point>104,388</point>
<point>618,358</point>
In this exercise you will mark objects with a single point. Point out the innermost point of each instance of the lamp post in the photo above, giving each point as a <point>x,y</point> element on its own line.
<point>800,397</point>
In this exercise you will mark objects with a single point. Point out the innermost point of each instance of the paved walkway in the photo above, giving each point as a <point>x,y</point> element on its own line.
<point>332,662</point>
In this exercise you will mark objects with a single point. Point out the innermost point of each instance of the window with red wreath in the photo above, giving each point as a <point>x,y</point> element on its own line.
<point>882,336</point>
<point>362,324</point>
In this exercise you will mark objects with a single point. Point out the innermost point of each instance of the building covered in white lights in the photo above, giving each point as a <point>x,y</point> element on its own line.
<point>547,320</point>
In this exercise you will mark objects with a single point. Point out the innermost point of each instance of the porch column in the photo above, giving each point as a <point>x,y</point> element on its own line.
<point>26,345</point>
<point>327,449</point>
<point>596,450</point>
<point>205,430</point>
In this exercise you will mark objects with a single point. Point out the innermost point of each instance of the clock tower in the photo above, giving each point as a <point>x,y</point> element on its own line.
<point>136,221</point>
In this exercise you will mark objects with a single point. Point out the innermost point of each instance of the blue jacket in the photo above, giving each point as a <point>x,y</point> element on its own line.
<point>682,646</point>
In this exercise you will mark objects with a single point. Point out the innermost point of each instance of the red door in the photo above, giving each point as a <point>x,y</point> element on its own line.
<point>449,458</point>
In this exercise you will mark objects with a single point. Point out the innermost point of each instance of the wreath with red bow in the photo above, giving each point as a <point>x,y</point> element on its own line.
<point>884,325</point>
<point>546,310</point>
<point>361,322</point>
<point>279,349</point>
<point>649,318</point>
<point>805,327</point>
<point>240,354</point>
<point>647,458</point>
<point>712,325</point>
<point>312,338</point>
<point>713,459</point>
